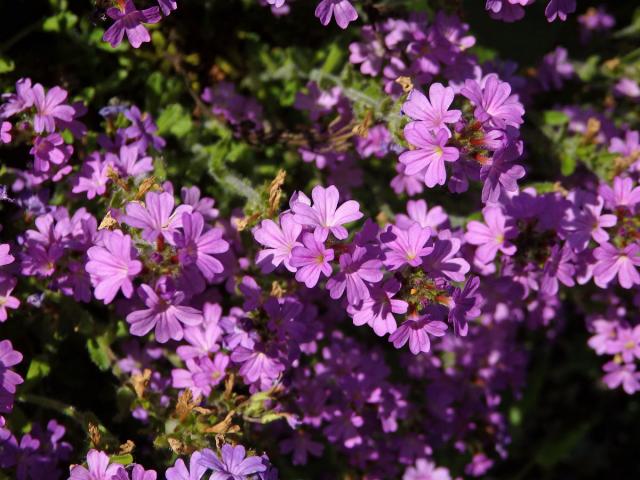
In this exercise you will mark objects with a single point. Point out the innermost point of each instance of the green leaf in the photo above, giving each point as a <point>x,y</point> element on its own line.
<point>6,65</point>
<point>555,118</point>
<point>588,69</point>
<point>334,58</point>
<point>125,459</point>
<point>567,164</point>
<point>38,368</point>
<point>99,352</point>
<point>174,119</point>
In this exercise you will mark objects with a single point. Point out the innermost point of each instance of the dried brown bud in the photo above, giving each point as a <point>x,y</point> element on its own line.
<point>127,447</point>
<point>139,382</point>
<point>94,435</point>
<point>108,222</point>
<point>405,83</point>
<point>275,191</point>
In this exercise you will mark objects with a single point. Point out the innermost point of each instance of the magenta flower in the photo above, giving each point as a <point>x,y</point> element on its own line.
<point>165,313</point>
<point>558,268</point>
<point>443,260</point>
<point>179,470</point>
<point>612,261</point>
<point>342,10</point>
<point>203,205</point>
<point>430,155</point>
<point>588,223</point>
<point>167,6</point>
<point>377,310</point>
<point>624,375</point>
<point>112,266</point>
<point>50,149</point>
<point>232,463</point>
<point>300,445</point>
<point>405,247</point>
<point>325,216</point>
<point>19,101</point>
<point>93,177</point>
<point>204,338</point>
<point>623,193</point>
<point>9,379</point>
<point>201,375</point>
<point>356,268</point>
<point>627,344</point>
<point>7,284</point>
<point>418,212</point>
<point>433,112</point>
<point>129,163</point>
<point>196,248</point>
<point>416,331</point>
<point>491,236</point>
<point>426,470</point>
<point>494,102</point>
<point>5,132</point>
<point>142,130</point>
<point>5,257</point>
<point>99,468</point>
<point>129,19</point>
<point>156,216</point>
<point>50,108</point>
<point>464,305</point>
<point>256,365</point>
<point>559,9</point>
<point>501,173</point>
<point>280,240</point>
<point>311,260</point>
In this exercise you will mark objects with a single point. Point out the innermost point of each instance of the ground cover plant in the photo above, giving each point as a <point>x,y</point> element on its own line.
<point>319,239</point>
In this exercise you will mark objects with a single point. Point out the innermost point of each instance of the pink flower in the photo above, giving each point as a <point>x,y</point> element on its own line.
<point>99,468</point>
<point>325,215</point>
<point>430,155</point>
<point>311,259</point>
<point>6,300</point>
<point>433,112</point>
<point>156,216</point>
<point>50,108</point>
<point>129,19</point>
<point>491,236</point>
<point>612,261</point>
<point>342,10</point>
<point>280,240</point>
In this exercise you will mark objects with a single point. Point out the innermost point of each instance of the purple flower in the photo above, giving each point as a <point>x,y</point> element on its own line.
<point>559,9</point>
<point>433,112</point>
<point>426,470</point>
<point>419,213</point>
<point>129,19</point>
<point>5,257</point>
<point>405,247</point>
<point>5,132</point>
<point>112,266</point>
<point>50,108</point>
<point>464,305</point>
<point>142,128</point>
<point>204,338</point>
<point>50,149</point>
<point>356,268</point>
<point>311,259</point>
<point>156,216</point>
<point>137,473</point>
<point>624,375</point>
<point>8,378</point>
<point>430,155</point>
<point>416,331</point>
<point>201,374</point>
<point>342,10</point>
<point>501,173</point>
<point>280,240</point>
<point>627,344</point>
<point>377,310</point>
<point>19,101</point>
<point>167,6</point>
<point>256,365</point>
<point>165,312</point>
<point>325,216</point>
<point>376,143</point>
<point>555,69</point>
<point>623,194</point>
<point>93,177</point>
<point>589,223</point>
<point>7,284</point>
<point>369,53</point>
<point>612,261</point>
<point>558,268</point>
<point>194,247</point>
<point>180,472</point>
<point>300,445</point>
<point>128,162</point>
<point>494,102</point>
<point>442,261</point>
<point>204,205</point>
<point>99,468</point>
<point>491,236</point>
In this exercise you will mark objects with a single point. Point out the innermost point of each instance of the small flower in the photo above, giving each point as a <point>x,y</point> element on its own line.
<point>49,108</point>
<point>418,212</point>
<point>164,313</point>
<point>559,9</point>
<point>405,247</point>
<point>9,379</point>
<point>491,236</point>
<point>501,174</point>
<point>342,10</point>
<point>256,365</point>
<point>113,266</point>
<point>611,261</point>
<point>623,193</point>
<point>167,6</point>
<point>7,284</point>
<point>50,149</point>
<point>494,102</point>
<point>179,470</point>
<point>624,375</point>
<point>416,331</point>
<point>5,132</point>
<point>5,257</point>
<point>356,268</point>
<point>201,374</point>
<point>558,268</point>
<point>129,163</point>
<point>433,113</point>
<point>426,470</point>
<point>430,154</point>
<point>129,19</point>
<point>195,247</point>
<point>280,240</point>
<point>377,310</point>
<point>464,305</point>
<point>156,216</point>
<point>311,260</point>
<point>142,129</point>
<point>99,468</point>
<point>325,215</point>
